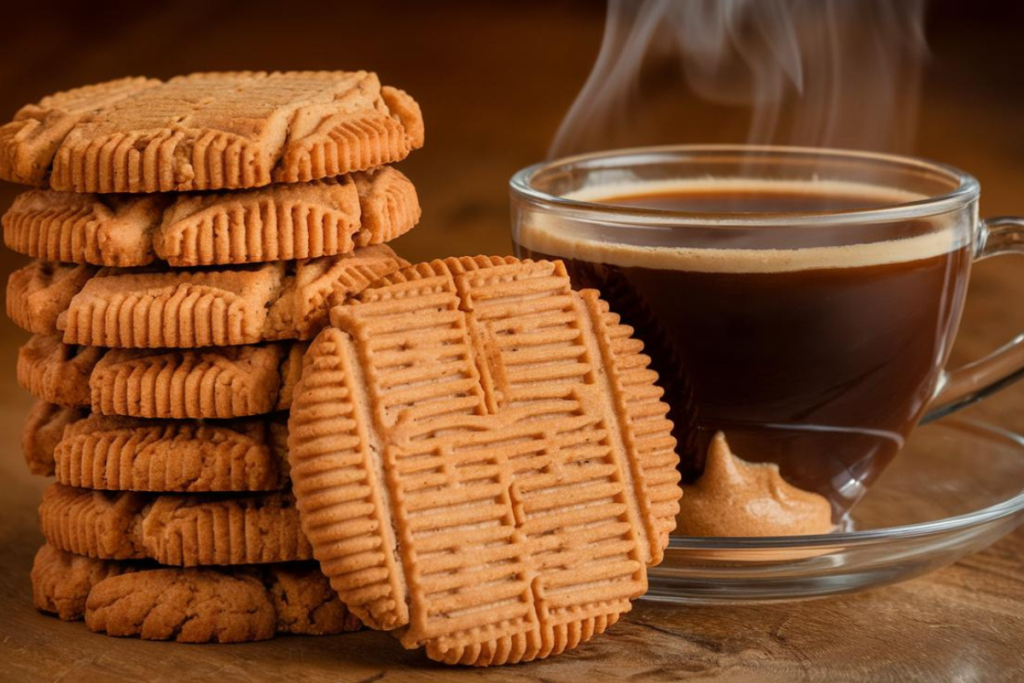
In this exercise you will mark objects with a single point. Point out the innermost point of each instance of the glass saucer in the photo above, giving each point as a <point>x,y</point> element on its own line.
<point>957,487</point>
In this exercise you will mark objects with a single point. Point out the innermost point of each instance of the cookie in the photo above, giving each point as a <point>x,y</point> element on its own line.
<point>29,143</point>
<point>481,460</point>
<point>192,308</point>
<point>166,456</point>
<point>209,131</point>
<point>57,373</point>
<point>180,530</point>
<point>281,222</point>
<point>667,359</point>
<point>44,429</point>
<point>38,293</point>
<point>223,605</point>
<point>223,383</point>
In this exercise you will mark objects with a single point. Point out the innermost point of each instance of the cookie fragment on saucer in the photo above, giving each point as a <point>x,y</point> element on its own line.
<point>736,498</point>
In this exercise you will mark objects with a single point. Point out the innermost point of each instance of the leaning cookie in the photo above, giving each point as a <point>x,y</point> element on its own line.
<point>223,605</point>
<point>281,222</point>
<point>481,460</point>
<point>126,308</point>
<point>165,456</point>
<point>209,131</point>
<point>180,530</point>
<point>223,383</point>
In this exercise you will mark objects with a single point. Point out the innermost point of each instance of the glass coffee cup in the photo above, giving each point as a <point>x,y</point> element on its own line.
<point>803,301</point>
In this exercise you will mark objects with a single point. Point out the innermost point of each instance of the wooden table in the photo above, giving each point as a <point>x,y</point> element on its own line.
<point>494,83</point>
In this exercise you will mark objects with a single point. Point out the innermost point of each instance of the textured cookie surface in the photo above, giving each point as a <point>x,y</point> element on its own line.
<point>40,292</point>
<point>192,308</point>
<point>43,431</point>
<point>29,142</point>
<point>199,384</point>
<point>482,461</point>
<point>188,605</point>
<point>56,372</point>
<point>132,454</point>
<point>180,530</point>
<point>209,131</point>
<point>281,222</point>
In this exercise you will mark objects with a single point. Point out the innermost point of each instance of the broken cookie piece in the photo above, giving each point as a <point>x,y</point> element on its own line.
<point>738,498</point>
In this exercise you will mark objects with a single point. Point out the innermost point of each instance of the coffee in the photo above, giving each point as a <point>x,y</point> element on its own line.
<point>818,355</point>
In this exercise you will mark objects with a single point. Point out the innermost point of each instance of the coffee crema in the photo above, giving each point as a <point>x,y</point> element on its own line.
<point>817,349</point>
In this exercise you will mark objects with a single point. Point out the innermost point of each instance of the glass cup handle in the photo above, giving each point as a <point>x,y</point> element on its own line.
<point>974,381</point>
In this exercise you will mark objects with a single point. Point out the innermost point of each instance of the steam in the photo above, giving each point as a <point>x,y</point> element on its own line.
<point>839,73</point>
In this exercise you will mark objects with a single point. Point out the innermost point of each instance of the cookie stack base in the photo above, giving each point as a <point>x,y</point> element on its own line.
<point>222,605</point>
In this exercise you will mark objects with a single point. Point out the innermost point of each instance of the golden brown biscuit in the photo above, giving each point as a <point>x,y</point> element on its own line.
<point>169,456</point>
<point>44,429</point>
<point>132,454</point>
<point>58,373</point>
<point>281,222</point>
<point>40,292</point>
<point>481,459</point>
<point>223,605</point>
<point>192,309</point>
<point>180,530</point>
<point>103,230</point>
<point>29,143</point>
<point>209,131</point>
<point>226,383</point>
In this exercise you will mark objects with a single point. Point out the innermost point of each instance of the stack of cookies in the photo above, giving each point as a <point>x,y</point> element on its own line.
<point>190,237</point>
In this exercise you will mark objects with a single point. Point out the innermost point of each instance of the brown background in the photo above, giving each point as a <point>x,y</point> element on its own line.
<point>494,80</point>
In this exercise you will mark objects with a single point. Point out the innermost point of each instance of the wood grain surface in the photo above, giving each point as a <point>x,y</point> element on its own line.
<point>494,79</point>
